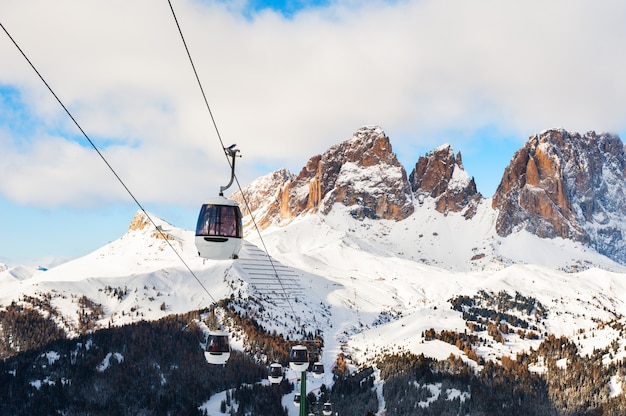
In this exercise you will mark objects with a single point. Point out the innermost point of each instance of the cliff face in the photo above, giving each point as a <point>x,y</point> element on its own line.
<point>564,184</point>
<point>440,175</point>
<point>361,173</point>
<point>264,197</point>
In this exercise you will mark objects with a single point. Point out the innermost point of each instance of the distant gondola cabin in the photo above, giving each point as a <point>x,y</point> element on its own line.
<point>318,370</point>
<point>217,348</point>
<point>275,375</point>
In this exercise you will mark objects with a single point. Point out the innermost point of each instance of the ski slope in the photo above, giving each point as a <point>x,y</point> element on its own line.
<point>370,287</point>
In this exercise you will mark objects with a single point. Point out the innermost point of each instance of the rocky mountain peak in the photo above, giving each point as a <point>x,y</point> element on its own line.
<point>361,173</point>
<point>264,196</point>
<point>369,146</point>
<point>440,175</point>
<point>569,185</point>
<point>141,222</point>
<point>559,184</point>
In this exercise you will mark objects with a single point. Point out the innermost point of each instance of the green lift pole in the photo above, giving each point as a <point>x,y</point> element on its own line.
<point>303,394</point>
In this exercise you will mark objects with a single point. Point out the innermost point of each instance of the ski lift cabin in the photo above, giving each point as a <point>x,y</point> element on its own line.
<point>296,400</point>
<point>318,370</point>
<point>275,375</point>
<point>217,348</point>
<point>299,358</point>
<point>219,228</point>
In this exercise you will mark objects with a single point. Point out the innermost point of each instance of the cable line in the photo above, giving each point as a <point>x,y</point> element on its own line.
<point>206,102</point>
<point>119,179</point>
<point>123,184</point>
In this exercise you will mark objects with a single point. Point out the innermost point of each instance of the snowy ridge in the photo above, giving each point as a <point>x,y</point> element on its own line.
<point>330,256</point>
<point>368,282</point>
<point>369,287</point>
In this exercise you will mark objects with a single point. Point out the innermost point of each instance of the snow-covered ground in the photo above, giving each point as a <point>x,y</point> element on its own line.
<point>368,286</point>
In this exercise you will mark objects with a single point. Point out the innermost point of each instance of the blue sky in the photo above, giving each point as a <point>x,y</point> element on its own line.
<point>285,81</point>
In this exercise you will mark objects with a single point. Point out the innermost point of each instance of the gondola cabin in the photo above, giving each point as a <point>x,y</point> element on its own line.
<point>217,348</point>
<point>219,229</point>
<point>327,409</point>
<point>275,375</point>
<point>318,370</point>
<point>296,400</point>
<point>299,358</point>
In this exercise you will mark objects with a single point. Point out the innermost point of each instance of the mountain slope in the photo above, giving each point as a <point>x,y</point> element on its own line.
<point>363,285</point>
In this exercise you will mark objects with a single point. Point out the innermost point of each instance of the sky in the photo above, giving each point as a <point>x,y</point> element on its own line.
<point>284,81</point>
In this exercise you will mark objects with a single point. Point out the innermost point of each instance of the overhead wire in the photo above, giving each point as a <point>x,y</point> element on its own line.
<point>127,189</point>
<point>243,196</point>
<point>119,179</point>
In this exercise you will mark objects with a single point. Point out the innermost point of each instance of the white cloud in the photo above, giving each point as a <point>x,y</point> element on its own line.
<point>285,89</point>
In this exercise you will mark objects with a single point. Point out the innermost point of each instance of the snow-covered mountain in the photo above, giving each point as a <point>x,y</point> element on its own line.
<point>569,185</point>
<point>361,173</point>
<point>559,184</point>
<point>370,285</point>
<point>440,175</point>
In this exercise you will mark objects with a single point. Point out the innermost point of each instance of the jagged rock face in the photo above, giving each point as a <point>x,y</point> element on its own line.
<point>141,222</point>
<point>361,173</point>
<point>563,184</point>
<point>264,197</point>
<point>440,175</point>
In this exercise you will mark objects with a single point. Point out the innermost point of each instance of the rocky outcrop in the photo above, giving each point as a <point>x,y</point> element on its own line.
<point>361,173</point>
<point>564,184</point>
<point>141,222</point>
<point>441,176</point>
<point>264,197</point>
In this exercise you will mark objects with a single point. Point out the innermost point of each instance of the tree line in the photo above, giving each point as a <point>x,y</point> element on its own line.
<point>158,368</point>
